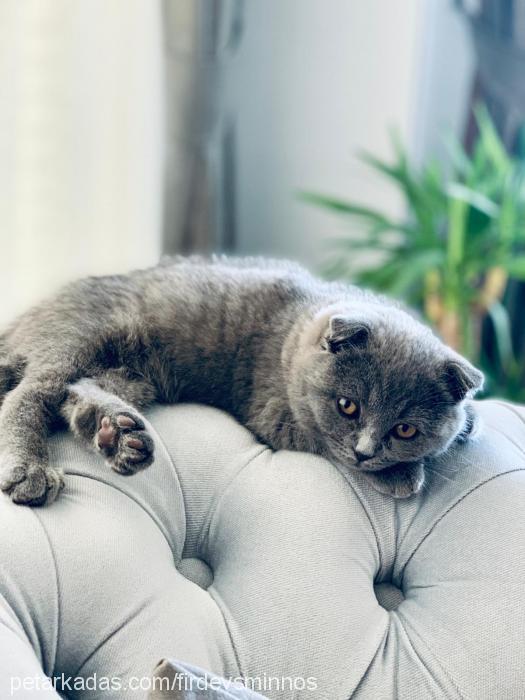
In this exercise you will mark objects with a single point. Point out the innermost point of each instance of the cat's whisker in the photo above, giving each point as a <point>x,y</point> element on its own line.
<point>439,474</point>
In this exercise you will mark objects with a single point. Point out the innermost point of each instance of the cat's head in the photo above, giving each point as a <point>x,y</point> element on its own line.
<point>381,388</point>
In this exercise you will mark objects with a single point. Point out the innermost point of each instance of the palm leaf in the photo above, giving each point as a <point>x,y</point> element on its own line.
<point>501,324</point>
<point>515,267</point>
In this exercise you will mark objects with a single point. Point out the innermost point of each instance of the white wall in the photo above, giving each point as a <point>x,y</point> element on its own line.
<point>316,82</point>
<point>444,79</point>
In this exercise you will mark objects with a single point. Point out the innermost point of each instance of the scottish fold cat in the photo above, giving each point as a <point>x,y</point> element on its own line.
<point>305,364</point>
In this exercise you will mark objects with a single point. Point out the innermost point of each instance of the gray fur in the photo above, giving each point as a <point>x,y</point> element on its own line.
<point>263,340</point>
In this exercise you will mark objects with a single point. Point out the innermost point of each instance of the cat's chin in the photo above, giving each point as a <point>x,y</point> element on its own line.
<point>399,480</point>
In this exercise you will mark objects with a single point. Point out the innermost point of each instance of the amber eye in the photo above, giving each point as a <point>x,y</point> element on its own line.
<point>347,407</point>
<point>405,431</point>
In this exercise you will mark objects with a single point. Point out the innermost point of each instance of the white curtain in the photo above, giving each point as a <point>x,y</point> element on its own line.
<point>81,142</point>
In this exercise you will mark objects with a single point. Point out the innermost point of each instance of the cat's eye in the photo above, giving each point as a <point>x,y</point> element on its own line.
<point>405,431</point>
<point>347,407</point>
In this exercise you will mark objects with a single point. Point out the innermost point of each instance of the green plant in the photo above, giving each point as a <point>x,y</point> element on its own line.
<point>452,256</point>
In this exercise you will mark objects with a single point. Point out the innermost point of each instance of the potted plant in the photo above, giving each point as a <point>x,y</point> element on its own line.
<point>452,255</point>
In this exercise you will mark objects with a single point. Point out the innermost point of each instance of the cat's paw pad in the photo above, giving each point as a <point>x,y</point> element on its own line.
<point>399,481</point>
<point>135,452</point>
<point>125,442</point>
<point>111,427</point>
<point>31,484</point>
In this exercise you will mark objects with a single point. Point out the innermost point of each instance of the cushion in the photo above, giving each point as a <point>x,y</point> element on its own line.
<point>272,566</point>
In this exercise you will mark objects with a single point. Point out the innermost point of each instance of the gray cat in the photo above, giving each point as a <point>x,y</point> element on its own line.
<point>305,364</point>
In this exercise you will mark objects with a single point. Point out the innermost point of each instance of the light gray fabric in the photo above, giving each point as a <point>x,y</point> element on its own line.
<point>284,551</point>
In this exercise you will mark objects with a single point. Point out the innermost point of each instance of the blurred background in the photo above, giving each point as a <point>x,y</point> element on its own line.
<point>379,142</point>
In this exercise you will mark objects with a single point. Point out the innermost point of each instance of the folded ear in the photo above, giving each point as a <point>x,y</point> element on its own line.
<point>345,332</point>
<point>462,378</point>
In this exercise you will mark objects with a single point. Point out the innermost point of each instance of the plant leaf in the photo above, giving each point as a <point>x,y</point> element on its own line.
<point>502,330</point>
<point>342,207</point>
<point>515,267</point>
<point>477,200</point>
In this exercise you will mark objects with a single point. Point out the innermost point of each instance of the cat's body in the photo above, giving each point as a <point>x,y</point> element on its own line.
<point>265,341</point>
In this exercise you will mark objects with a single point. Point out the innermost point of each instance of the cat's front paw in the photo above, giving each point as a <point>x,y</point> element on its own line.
<point>399,481</point>
<point>29,483</point>
<point>122,438</point>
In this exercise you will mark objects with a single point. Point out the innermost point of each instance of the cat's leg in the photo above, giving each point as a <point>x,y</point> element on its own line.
<point>6,379</point>
<point>101,411</point>
<point>11,372</point>
<point>400,480</point>
<point>27,412</point>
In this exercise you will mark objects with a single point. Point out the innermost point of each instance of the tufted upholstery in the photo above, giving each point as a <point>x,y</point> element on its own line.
<point>242,561</point>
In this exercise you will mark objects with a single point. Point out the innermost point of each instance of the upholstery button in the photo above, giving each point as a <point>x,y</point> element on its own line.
<point>388,596</point>
<point>196,570</point>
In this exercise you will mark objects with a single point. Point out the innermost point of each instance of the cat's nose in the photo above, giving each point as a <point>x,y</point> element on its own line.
<point>361,456</point>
